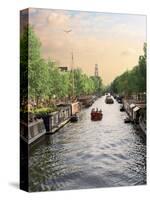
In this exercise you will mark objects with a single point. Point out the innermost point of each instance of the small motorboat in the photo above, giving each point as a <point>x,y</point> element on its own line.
<point>96,115</point>
<point>119,99</point>
<point>122,108</point>
<point>127,120</point>
<point>74,118</point>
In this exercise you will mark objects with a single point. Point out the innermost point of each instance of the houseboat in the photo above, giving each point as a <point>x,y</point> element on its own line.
<point>136,110</point>
<point>32,130</point>
<point>86,101</point>
<point>55,120</point>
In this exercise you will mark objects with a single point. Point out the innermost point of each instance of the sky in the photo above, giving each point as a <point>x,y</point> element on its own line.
<point>113,41</point>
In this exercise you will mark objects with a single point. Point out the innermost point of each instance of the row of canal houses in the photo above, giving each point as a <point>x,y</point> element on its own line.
<point>135,107</point>
<point>33,127</point>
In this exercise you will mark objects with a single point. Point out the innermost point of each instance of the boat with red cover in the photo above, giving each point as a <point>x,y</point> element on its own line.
<point>96,115</point>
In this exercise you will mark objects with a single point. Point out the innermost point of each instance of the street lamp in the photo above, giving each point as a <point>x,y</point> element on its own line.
<point>72,64</point>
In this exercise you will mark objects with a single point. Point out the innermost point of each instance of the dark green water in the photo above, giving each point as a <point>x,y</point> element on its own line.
<point>90,154</point>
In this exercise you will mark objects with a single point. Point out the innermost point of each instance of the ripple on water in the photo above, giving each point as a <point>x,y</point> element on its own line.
<point>90,154</point>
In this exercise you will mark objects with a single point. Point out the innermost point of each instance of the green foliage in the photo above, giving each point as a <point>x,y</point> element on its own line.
<point>44,111</point>
<point>34,70</point>
<point>37,68</point>
<point>86,85</point>
<point>132,81</point>
<point>24,67</point>
<point>78,82</point>
<point>97,81</point>
<point>45,80</point>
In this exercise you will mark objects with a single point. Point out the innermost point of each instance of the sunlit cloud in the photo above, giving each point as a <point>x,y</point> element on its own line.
<point>128,52</point>
<point>114,41</point>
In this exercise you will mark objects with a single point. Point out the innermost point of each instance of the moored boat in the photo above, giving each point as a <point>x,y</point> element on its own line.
<point>76,108</point>
<point>32,131</point>
<point>122,108</point>
<point>109,100</point>
<point>74,118</point>
<point>142,125</point>
<point>127,120</point>
<point>119,98</point>
<point>86,101</point>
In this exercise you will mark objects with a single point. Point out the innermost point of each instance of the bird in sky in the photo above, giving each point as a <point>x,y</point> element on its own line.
<point>67,31</point>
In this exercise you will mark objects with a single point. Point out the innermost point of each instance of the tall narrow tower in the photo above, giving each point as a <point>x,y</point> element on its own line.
<point>96,70</point>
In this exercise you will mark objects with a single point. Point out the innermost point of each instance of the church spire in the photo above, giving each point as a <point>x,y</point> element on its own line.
<point>96,70</point>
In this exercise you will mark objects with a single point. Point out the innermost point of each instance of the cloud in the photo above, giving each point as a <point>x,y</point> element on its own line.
<point>56,20</point>
<point>128,52</point>
<point>107,39</point>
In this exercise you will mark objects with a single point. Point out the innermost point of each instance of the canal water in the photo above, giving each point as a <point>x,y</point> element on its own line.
<point>90,154</point>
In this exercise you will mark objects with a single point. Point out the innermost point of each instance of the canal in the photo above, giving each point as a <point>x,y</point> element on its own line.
<point>90,154</point>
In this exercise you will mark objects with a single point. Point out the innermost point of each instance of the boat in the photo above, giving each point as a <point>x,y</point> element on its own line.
<point>75,109</point>
<point>96,115</point>
<point>74,118</point>
<point>119,98</point>
<point>86,101</point>
<point>109,100</point>
<point>122,108</point>
<point>114,96</point>
<point>32,130</point>
<point>55,120</point>
<point>142,124</point>
<point>127,120</point>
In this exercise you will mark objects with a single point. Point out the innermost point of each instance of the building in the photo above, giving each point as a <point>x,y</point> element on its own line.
<point>96,70</point>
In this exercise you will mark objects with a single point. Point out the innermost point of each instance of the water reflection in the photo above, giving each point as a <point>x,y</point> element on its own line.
<point>90,154</point>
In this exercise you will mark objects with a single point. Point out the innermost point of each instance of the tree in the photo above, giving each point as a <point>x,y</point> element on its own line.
<point>133,81</point>
<point>78,82</point>
<point>24,68</point>
<point>142,69</point>
<point>37,68</point>
<point>97,82</point>
<point>42,79</point>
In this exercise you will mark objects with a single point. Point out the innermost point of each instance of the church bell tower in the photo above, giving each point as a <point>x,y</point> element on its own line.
<point>96,70</point>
